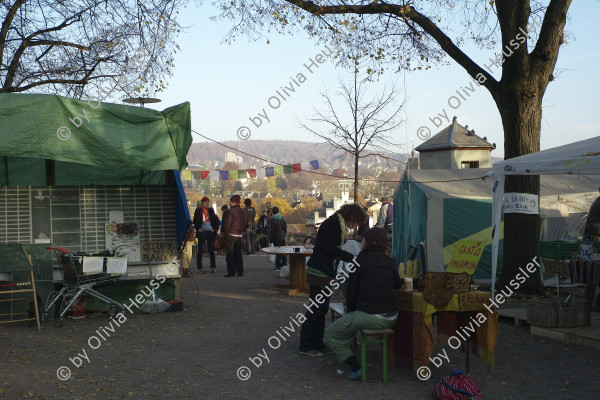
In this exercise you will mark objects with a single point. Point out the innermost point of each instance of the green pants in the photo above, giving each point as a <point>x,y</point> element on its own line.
<point>340,335</point>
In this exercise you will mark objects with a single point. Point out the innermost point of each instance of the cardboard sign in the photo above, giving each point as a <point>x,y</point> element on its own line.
<point>159,250</point>
<point>521,203</point>
<point>467,254</point>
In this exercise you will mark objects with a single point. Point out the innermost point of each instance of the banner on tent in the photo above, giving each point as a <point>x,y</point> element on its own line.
<point>521,203</point>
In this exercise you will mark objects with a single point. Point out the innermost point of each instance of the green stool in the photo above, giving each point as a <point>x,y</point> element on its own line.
<point>380,338</point>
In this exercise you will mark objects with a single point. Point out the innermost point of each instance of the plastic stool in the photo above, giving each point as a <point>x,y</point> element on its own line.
<point>380,338</point>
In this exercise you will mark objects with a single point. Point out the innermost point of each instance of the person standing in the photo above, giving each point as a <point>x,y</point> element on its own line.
<point>278,233</point>
<point>386,215</point>
<point>251,229</point>
<point>322,269</point>
<point>363,227</point>
<point>369,298</point>
<point>206,223</point>
<point>186,250</point>
<point>234,226</point>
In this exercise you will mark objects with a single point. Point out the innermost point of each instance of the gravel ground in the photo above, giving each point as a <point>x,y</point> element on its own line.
<point>197,353</point>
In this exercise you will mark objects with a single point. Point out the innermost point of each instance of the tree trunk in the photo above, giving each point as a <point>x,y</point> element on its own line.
<point>356,177</point>
<point>519,102</point>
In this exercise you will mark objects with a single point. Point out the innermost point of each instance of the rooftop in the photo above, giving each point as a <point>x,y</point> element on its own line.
<point>454,136</point>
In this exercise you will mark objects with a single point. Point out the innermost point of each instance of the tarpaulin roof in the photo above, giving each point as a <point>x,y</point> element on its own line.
<point>93,133</point>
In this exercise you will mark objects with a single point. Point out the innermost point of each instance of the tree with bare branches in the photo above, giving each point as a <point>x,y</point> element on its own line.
<point>361,128</point>
<point>91,47</point>
<point>412,34</point>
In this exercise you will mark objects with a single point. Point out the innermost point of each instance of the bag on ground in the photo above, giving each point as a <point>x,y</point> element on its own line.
<point>457,386</point>
<point>284,272</point>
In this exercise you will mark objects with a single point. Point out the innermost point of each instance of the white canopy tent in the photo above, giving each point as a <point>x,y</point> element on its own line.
<point>582,158</point>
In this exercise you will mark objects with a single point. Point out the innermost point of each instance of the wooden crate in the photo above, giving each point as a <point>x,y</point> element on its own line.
<point>546,313</point>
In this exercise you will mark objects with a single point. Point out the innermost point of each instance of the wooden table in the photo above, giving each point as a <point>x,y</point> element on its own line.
<point>414,330</point>
<point>297,266</point>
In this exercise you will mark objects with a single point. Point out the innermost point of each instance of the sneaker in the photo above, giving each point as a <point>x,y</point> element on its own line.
<point>311,353</point>
<point>213,270</point>
<point>325,350</point>
<point>355,375</point>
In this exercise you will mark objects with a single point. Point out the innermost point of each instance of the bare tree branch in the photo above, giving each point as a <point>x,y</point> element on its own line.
<point>366,131</point>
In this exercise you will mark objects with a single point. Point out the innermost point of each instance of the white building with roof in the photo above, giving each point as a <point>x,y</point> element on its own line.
<point>455,147</point>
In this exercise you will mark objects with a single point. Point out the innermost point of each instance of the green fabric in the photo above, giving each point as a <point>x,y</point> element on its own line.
<point>341,334</point>
<point>242,174</point>
<point>315,272</point>
<point>116,136</point>
<point>276,216</point>
<point>461,220</point>
<point>70,174</point>
<point>410,219</point>
<point>278,170</point>
<point>233,174</point>
<point>18,171</point>
<point>287,169</point>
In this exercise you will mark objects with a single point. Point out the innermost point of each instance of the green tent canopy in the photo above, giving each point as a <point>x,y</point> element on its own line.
<point>91,141</point>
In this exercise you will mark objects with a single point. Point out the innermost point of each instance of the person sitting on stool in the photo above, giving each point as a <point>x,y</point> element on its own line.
<point>369,298</point>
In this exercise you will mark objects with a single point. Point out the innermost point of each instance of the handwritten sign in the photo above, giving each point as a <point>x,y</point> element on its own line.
<point>467,254</point>
<point>521,203</point>
<point>159,250</point>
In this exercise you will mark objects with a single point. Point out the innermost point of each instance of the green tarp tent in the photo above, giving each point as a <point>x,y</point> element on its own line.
<point>90,142</point>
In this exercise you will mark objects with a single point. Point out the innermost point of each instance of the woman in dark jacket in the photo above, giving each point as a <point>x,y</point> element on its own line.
<point>321,270</point>
<point>369,298</point>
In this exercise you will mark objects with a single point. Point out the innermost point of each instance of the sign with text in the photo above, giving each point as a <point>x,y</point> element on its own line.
<point>467,254</point>
<point>159,250</point>
<point>521,203</point>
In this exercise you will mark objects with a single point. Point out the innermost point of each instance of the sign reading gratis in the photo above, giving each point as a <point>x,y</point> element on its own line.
<point>467,254</point>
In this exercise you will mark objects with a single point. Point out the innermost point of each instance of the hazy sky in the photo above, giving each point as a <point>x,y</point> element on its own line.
<point>228,84</point>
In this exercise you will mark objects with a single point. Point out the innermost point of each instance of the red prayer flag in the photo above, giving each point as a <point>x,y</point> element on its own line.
<point>297,167</point>
<point>252,172</point>
<point>204,174</point>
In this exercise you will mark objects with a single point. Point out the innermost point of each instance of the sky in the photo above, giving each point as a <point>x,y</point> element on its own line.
<point>228,85</point>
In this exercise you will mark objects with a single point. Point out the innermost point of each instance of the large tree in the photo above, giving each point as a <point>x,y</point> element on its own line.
<point>361,127</point>
<point>87,47</point>
<point>412,34</point>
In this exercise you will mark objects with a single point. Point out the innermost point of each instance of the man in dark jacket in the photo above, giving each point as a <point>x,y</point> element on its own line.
<point>235,225</point>
<point>369,298</point>
<point>206,223</point>
<point>278,232</point>
<point>250,232</point>
<point>322,269</point>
